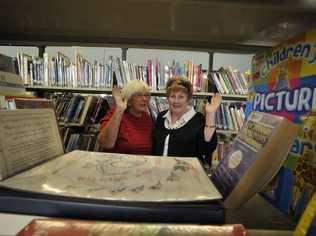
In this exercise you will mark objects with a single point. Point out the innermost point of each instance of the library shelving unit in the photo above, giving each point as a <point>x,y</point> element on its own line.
<point>225,97</point>
<point>226,26</point>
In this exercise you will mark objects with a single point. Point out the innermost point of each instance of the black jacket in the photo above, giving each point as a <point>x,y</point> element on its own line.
<point>186,141</point>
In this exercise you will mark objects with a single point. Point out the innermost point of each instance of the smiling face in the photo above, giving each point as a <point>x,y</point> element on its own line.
<point>139,102</point>
<point>179,93</point>
<point>178,102</point>
<point>137,93</point>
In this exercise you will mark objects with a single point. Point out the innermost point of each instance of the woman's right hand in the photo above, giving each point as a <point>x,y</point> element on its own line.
<point>213,105</point>
<point>121,103</point>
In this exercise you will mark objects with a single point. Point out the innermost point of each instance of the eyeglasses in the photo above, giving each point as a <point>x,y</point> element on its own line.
<point>139,95</point>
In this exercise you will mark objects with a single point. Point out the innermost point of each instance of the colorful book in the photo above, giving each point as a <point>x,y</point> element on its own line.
<point>255,156</point>
<point>283,82</point>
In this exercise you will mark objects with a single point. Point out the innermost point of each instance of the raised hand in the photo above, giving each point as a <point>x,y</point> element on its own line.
<point>121,103</point>
<point>211,107</point>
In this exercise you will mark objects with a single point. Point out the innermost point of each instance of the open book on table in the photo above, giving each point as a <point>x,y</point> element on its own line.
<point>33,165</point>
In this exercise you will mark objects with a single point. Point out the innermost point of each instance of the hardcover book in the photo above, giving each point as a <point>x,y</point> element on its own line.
<point>255,156</point>
<point>51,227</point>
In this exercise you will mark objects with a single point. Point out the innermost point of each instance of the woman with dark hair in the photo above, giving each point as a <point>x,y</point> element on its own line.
<point>181,131</point>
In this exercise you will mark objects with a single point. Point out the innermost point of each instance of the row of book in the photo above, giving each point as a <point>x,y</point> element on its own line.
<point>230,81</point>
<point>230,116</point>
<point>159,74</point>
<point>80,138</point>
<point>44,71</point>
<point>81,110</point>
<point>61,72</point>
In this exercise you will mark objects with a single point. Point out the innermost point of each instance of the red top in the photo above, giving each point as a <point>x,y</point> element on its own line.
<point>134,136</point>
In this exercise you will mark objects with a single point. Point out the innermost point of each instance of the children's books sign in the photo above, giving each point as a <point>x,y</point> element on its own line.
<point>283,82</point>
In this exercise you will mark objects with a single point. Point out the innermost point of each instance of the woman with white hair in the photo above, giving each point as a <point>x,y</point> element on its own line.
<point>127,128</point>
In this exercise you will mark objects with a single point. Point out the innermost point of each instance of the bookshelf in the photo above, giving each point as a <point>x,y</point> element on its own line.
<point>225,97</point>
<point>56,73</point>
<point>73,86</point>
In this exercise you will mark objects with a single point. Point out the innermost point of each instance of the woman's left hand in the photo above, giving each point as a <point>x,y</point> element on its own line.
<point>211,107</point>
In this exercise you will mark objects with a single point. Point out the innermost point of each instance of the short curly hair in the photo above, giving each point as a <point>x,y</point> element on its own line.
<point>132,87</point>
<point>179,83</point>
